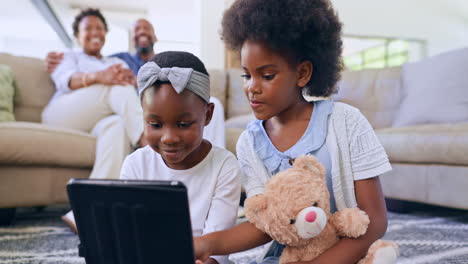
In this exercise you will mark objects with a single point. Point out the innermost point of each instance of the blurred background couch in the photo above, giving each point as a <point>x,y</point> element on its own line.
<point>36,161</point>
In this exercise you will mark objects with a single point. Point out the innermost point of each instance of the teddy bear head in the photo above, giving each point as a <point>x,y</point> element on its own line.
<point>295,205</point>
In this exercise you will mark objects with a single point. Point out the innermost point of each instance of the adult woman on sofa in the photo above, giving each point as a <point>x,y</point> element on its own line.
<point>95,94</point>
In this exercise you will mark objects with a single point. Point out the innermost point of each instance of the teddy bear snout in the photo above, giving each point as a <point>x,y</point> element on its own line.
<point>311,216</point>
<point>310,222</point>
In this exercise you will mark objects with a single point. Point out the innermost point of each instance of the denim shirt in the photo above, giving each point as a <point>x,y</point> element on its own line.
<point>313,141</point>
<point>133,60</point>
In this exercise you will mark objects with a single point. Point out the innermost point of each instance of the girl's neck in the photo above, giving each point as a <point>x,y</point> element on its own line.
<point>298,111</point>
<point>286,128</point>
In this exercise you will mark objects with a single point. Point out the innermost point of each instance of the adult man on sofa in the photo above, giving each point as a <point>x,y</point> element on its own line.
<point>144,39</point>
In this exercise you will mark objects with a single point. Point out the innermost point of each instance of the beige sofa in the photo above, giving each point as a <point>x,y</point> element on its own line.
<point>36,161</point>
<point>430,161</point>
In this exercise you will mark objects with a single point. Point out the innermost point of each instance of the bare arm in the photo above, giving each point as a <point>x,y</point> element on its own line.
<point>349,250</point>
<point>239,238</point>
<point>211,261</point>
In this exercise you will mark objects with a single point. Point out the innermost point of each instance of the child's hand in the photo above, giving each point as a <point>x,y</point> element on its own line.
<point>202,250</point>
<point>208,261</point>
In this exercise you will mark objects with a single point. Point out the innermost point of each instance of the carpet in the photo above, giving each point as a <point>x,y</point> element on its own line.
<point>423,238</point>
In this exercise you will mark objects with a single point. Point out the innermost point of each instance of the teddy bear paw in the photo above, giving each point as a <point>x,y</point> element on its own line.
<point>352,222</point>
<point>361,221</point>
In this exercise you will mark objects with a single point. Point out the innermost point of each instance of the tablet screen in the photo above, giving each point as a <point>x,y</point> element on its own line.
<point>132,221</point>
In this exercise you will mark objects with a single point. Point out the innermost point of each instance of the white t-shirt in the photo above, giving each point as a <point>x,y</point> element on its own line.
<point>213,186</point>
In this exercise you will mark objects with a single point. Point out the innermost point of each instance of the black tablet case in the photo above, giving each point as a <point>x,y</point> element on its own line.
<point>132,222</point>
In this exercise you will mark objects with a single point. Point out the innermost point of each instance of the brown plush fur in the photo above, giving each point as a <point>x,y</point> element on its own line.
<point>292,190</point>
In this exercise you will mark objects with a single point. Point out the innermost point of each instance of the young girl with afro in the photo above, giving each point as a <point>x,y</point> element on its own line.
<point>288,49</point>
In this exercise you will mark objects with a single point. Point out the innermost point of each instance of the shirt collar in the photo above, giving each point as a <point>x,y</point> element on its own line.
<point>313,138</point>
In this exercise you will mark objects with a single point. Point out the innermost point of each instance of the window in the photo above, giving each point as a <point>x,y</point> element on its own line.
<point>369,52</point>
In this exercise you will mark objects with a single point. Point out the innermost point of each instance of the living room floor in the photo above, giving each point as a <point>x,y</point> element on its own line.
<point>434,235</point>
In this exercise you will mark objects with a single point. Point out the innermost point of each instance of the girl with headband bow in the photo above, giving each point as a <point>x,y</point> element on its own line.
<point>174,89</point>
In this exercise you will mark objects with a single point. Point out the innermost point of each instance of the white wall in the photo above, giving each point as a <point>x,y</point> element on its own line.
<point>442,23</point>
<point>190,25</point>
<point>176,25</point>
<point>212,47</point>
<point>23,31</point>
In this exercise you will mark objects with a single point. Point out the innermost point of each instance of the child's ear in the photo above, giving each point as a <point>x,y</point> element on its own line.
<point>304,70</point>
<point>209,113</point>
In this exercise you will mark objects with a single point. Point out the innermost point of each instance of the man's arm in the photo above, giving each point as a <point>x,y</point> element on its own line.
<point>52,60</point>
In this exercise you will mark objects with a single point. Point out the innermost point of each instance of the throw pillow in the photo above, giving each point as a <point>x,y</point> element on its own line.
<point>435,90</point>
<point>7,92</point>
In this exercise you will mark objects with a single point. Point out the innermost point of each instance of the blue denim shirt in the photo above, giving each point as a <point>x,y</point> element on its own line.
<point>133,60</point>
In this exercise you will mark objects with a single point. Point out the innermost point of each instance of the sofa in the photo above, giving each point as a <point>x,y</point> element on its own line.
<point>420,114</point>
<point>36,161</point>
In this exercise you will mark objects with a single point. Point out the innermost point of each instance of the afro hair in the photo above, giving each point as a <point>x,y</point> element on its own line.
<point>299,30</point>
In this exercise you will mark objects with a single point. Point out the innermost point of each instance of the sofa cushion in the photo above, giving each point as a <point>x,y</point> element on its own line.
<point>376,92</point>
<point>435,90</point>
<point>34,87</point>
<point>7,92</point>
<point>237,103</point>
<point>218,84</point>
<point>431,144</point>
<point>232,135</point>
<point>25,143</point>
<point>443,185</point>
<point>240,121</point>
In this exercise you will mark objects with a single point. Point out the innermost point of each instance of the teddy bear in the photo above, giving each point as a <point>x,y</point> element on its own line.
<point>295,211</point>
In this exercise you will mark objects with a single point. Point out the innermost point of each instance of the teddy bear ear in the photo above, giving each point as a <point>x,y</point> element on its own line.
<point>310,163</point>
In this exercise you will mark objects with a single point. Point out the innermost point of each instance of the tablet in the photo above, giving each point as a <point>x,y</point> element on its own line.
<point>134,222</point>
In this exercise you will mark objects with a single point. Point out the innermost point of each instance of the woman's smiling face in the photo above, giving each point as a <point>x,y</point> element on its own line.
<point>91,35</point>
